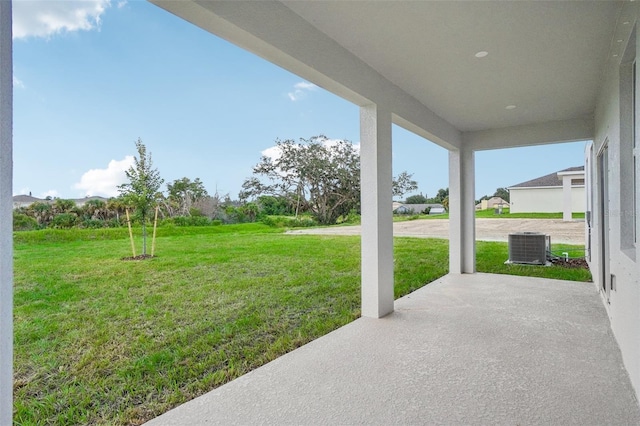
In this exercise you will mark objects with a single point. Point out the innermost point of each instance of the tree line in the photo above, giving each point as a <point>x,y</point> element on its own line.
<point>313,179</point>
<point>442,197</point>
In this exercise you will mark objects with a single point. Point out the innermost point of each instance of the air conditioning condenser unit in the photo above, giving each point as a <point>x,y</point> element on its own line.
<point>529,248</point>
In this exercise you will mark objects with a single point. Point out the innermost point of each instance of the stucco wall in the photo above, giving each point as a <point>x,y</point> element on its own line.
<point>545,200</point>
<point>624,304</point>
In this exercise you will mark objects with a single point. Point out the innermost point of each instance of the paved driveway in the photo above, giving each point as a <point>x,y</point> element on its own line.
<point>486,229</point>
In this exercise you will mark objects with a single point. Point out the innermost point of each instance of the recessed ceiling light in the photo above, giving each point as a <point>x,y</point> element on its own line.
<point>510,107</point>
<point>481,54</point>
<point>619,41</point>
<point>626,23</point>
<point>615,55</point>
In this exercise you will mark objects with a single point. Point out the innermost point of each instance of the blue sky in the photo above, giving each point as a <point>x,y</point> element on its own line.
<point>90,77</point>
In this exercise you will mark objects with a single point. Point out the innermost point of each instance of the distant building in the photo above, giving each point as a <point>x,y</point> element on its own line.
<point>491,203</point>
<point>23,201</point>
<point>418,208</point>
<point>26,200</point>
<point>546,194</point>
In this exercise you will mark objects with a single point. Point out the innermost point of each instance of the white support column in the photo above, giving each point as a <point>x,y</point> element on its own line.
<point>6,217</point>
<point>462,223</point>
<point>377,217</point>
<point>566,199</point>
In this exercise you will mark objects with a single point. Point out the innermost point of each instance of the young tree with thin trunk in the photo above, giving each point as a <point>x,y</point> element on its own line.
<point>140,191</point>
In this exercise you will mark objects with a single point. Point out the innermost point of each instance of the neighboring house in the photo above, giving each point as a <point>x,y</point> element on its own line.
<point>23,201</point>
<point>566,72</point>
<point>549,193</point>
<point>419,208</point>
<point>491,203</point>
<point>437,209</point>
<point>27,200</point>
<point>82,201</point>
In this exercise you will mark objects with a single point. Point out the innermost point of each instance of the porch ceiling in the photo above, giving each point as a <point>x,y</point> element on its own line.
<point>417,59</point>
<point>544,57</point>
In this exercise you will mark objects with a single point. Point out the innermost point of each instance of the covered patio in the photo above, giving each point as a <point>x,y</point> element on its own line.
<point>469,348</point>
<point>466,349</point>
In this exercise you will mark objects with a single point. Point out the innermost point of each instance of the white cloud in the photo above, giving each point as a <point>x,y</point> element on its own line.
<point>121,4</point>
<point>50,193</point>
<point>17,82</point>
<point>274,152</point>
<point>305,85</point>
<point>300,90</point>
<point>23,191</point>
<point>105,181</point>
<point>43,18</point>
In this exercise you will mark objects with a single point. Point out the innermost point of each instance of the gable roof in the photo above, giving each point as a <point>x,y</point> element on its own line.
<point>494,200</point>
<point>24,199</point>
<point>551,179</point>
<point>28,199</point>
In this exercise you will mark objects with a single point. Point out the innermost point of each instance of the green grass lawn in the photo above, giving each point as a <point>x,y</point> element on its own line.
<point>99,340</point>
<point>491,214</point>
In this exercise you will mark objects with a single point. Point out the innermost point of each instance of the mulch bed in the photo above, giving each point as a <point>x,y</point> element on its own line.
<point>571,263</point>
<point>138,257</point>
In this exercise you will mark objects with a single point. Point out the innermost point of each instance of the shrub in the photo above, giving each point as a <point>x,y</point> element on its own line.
<point>113,223</point>
<point>191,221</point>
<point>92,223</point>
<point>235,215</point>
<point>352,217</point>
<point>64,220</point>
<point>22,222</point>
<point>289,222</point>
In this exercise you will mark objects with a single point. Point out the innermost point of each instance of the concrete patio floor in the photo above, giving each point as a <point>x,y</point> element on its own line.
<point>466,349</point>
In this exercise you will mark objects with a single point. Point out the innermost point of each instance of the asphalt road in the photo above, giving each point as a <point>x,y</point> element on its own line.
<point>486,229</point>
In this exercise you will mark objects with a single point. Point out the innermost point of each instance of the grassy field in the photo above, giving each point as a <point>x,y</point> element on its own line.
<point>491,214</point>
<point>99,340</point>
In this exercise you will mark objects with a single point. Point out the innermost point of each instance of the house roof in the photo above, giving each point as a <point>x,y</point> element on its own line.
<point>493,200</point>
<point>94,197</point>
<point>30,199</point>
<point>551,179</point>
<point>496,200</point>
<point>418,207</point>
<point>25,199</point>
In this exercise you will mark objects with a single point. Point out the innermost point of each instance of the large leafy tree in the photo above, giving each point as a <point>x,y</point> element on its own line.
<point>402,184</point>
<point>184,193</point>
<point>416,199</point>
<point>315,175</point>
<point>442,195</point>
<point>140,191</point>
